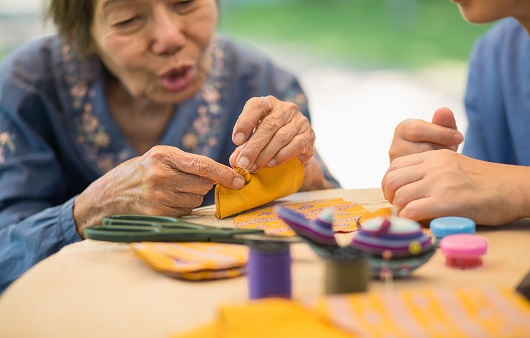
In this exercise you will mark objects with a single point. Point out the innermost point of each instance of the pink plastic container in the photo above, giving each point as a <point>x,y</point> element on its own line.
<point>463,251</point>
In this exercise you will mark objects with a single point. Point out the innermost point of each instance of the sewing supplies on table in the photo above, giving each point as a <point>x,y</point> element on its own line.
<point>346,267</point>
<point>269,259</point>
<point>450,225</point>
<point>397,246</point>
<point>463,251</point>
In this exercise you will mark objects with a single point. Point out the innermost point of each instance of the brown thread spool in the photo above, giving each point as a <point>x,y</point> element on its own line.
<point>346,276</point>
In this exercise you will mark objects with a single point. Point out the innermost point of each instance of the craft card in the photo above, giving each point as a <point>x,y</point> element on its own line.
<point>346,216</point>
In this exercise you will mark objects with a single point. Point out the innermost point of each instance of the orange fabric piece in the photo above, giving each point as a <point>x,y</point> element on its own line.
<point>192,260</point>
<point>267,185</point>
<point>378,213</point>
<point>273,317</point>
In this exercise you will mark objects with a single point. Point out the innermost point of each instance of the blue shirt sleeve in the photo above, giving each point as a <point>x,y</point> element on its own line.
<point>25,243</point>
<point>36,218</point>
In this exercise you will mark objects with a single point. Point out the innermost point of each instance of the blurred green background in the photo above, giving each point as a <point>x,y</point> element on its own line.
<point>3,52</point>
<point>367,33</point>
<point>363,33</point>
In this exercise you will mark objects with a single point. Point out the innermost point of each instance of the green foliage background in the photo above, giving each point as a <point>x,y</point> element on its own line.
<point>390,33</point>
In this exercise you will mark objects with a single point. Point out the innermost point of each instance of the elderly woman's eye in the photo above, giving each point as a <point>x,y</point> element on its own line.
<point>126,22</point>
<point>183,4</point>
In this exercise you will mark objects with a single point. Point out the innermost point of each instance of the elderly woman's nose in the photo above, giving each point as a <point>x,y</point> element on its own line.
<point>167,34</point>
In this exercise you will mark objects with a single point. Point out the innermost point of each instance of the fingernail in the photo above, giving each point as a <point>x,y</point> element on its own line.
<point>238,182</point>
<point>243,162</point>
<point>271,163</point>
<point>239,138</point>
<point>254,167</point>
<point>457,137</point>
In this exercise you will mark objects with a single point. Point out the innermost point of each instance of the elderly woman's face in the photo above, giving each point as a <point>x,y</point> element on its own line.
<point>157,49</point>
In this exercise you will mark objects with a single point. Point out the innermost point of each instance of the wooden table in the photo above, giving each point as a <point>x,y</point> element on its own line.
<point>99,289</point>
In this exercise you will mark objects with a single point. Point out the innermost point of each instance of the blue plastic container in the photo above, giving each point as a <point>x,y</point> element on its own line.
<point>445,226</point>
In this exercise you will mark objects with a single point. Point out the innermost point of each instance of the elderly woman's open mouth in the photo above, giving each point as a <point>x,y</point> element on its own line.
<point>176,79</point>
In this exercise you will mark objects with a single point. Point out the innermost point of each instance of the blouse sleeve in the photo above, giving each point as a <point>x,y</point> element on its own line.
<point>296,95</point>
<point>36,218</point>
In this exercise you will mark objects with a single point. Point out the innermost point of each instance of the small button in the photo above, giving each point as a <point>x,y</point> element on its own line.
<point>463,250</point>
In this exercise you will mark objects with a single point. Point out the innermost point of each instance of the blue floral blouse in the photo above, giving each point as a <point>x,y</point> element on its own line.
<point>57,136</point>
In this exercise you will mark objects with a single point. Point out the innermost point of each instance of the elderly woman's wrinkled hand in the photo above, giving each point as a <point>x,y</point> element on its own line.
<point>164,181</point>
<point>269,132</point>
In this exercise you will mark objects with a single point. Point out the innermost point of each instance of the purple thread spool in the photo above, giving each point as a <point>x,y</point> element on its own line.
<point>269,270</point>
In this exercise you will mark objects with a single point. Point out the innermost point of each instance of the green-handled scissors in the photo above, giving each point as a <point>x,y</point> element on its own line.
<point>143,228</point>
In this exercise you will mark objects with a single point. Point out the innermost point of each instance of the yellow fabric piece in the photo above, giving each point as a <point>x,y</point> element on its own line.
<point>193,260</point>
<point>273,317</point>
<point>346,216</point>
<point>436,312</point>
<point>265,186</point>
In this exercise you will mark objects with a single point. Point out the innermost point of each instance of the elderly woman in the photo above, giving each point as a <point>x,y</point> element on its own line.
<point>490,181</point>
<point>134,108</point>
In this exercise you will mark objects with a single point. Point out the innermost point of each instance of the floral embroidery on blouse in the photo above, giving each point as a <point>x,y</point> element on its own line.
<point>202,137</point>
<point>90,132</point>
<point>6,144</point>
